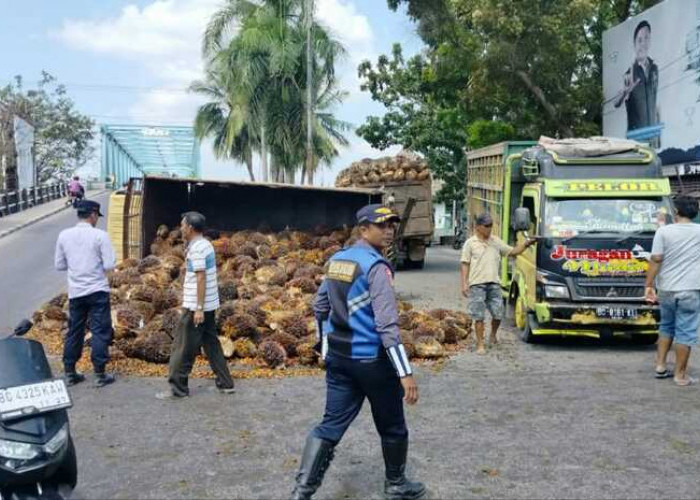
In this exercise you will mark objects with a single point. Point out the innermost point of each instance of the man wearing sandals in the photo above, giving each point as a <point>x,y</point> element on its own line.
<point>675,264</point>
<point>480,265</point>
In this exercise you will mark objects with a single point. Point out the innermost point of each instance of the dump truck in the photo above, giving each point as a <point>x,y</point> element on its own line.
<point>595,206</point>
<point>405,184</point>
<point>228,206</point>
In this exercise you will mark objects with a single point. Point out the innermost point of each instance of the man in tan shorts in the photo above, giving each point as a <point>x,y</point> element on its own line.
<point>480,264</point>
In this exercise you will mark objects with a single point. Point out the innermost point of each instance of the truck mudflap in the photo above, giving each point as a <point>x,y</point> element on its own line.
<point>594,319</point>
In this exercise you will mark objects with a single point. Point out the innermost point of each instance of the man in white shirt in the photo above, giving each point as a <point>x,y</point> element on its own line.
<point>86,253</point>
<point>197,327</point>
<point>674,272</point>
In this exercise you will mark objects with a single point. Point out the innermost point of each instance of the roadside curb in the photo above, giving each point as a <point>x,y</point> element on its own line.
<point>39,218</point>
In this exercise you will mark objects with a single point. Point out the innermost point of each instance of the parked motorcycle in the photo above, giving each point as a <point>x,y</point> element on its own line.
<point>37,456</point>
<point>460,238</point>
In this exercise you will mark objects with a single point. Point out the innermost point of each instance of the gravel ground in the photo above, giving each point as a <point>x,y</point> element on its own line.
<point>562,420</point>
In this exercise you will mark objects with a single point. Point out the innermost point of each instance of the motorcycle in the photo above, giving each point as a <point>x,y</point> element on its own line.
<point>76,198</point>
<point>37,455</point>
<point>460,238</point>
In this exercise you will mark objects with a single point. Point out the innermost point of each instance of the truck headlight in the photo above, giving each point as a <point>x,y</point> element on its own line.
<point>18,451</point>
<point>556,292</point>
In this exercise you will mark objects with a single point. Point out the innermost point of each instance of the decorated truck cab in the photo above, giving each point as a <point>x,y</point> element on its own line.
<point>594,206</point>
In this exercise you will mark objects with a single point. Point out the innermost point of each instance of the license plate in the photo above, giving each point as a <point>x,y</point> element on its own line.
<point>617,312</point>
<point>33,398</point>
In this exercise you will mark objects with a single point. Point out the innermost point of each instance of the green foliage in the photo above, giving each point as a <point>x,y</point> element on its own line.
<point>260,76</point>
<point>492,70</point>
<point>62,135</point>
<point>482,133</point>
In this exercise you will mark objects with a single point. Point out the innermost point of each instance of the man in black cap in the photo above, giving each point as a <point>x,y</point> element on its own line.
<point>481,262</point>
<point>357,318</point>
<point>86,253</point>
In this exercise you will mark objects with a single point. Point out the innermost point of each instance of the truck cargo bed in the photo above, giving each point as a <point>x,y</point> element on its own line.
<point>235,206</point>
<point>420,223</point>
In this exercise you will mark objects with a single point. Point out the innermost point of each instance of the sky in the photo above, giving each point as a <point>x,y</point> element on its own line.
<point>130,62</point>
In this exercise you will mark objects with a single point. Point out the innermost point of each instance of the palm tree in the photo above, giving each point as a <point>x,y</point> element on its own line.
<point>225,117</point>
<point>267,55</point>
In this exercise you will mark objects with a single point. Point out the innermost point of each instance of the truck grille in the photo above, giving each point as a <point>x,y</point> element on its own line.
<point>610,290</point>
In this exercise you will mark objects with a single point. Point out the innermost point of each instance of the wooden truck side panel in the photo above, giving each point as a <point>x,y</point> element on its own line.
<point>420,223</point>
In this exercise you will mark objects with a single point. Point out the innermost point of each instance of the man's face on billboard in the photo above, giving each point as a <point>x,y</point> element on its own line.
<point>642,42</point>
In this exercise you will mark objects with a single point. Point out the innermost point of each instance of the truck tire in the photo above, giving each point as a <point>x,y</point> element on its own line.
<point>416,264</point>
<point>645,339</point>
<point>526,333</point>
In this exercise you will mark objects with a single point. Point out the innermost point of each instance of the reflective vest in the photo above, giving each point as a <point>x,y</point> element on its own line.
<point>350,330</point>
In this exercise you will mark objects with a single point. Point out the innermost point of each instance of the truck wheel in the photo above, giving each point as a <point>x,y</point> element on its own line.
<point>526,334</point>
<point>645,339</point>
<point>416,264</point>
<point>520,313</point>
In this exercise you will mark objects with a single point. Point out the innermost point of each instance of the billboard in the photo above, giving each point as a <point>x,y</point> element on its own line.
<point>24,145</point>
<point>651,80</point>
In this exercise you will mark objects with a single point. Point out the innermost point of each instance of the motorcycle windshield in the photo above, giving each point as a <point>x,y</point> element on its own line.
<point>22,361</point>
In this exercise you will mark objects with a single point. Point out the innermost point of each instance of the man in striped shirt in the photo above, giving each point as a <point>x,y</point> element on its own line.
<point>197,327</point>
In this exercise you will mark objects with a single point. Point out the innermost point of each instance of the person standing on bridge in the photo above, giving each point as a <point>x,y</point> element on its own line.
<point>674,268</point>
<point>87,254</point>
<point>480,264</point>
<point>197,326</point>
<point>357,318</point>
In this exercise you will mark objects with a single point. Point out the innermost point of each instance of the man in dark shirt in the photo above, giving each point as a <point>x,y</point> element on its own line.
<point>641,83</point>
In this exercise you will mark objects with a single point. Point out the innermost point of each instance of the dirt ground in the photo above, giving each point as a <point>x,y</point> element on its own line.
<point>561,420</point>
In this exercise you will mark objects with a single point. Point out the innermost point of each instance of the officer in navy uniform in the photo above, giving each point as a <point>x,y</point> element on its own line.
<point>357,316</point>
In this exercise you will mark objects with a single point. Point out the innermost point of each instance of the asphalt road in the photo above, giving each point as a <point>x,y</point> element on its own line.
<point>562,420</point>
<point>27,276</point>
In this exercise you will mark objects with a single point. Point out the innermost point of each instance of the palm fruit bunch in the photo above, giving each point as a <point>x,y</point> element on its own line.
<point>404,167</point>
<point>267,284</point>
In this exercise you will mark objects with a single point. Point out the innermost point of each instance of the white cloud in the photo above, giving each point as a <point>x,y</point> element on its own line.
<point>164,36</point>
<point>162,28</point>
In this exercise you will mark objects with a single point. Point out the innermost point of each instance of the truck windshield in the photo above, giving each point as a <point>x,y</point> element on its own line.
<point>564,218</point>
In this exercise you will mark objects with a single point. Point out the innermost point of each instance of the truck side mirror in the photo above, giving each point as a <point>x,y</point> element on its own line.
<point>521,219</point>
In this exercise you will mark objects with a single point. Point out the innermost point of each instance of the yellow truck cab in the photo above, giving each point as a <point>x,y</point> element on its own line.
<point>594,205</point>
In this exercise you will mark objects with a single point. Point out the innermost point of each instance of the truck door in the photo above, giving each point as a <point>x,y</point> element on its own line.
<point>526,263</point>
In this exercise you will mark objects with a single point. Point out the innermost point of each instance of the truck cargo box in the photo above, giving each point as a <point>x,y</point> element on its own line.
<point>234,206</point>
<point>420,223</point>
<point>485,180</point>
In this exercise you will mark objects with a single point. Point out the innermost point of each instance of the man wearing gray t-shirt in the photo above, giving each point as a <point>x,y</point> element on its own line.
<point>675,264</point>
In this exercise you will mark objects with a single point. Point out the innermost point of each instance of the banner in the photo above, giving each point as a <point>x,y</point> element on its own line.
<point>24,144</point>
<point>651,80</point>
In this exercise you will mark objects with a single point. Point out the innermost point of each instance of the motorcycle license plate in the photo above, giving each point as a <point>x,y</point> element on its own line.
<point>617,312</point>
<point>33,398</point>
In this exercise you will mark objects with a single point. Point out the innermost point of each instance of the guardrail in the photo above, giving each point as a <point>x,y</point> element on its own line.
<point>15,201</point>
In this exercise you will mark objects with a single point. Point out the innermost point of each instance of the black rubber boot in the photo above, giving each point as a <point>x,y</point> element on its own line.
<point>102,379</point>
<point>74,378</point>
<point>315,460</point>
<point>396,486</point>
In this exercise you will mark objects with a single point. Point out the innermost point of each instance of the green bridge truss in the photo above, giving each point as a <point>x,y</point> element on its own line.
<point>139,150</point>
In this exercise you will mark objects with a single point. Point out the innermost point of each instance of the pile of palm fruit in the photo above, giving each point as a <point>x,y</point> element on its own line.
<point>267,284</point>
<point>368,172</point>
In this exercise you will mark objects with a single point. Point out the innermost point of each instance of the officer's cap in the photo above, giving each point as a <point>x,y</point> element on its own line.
<point>88,207</point>
<point>376,214</point>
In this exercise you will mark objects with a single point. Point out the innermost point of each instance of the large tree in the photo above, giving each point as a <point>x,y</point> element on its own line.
<point>492,70</point>
<point>263,45</point>
<point>62,135</point>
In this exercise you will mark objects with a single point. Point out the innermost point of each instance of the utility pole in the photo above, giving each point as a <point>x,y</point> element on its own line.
<point>309,92</point>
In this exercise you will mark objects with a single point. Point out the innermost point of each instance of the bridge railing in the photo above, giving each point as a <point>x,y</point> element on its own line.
<point>12,202</point>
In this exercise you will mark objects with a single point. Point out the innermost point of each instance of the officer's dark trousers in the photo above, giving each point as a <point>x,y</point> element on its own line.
<point>188,340</point>
<point>95,307</point>
<point>348,382</point>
